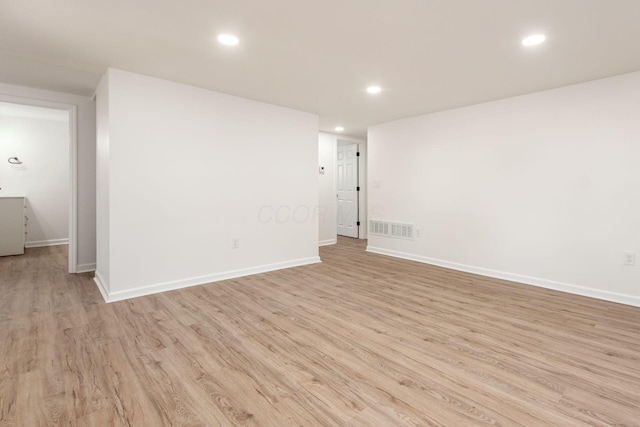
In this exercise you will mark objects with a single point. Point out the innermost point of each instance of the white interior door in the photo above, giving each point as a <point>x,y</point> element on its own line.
<point>347,180</point>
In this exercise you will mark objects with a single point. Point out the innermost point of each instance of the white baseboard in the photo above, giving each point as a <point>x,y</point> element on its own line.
<point>185,283</point>
<point>327,242</point>
<point>86,268</point>
<point>42,243</point>
<point>101,286</point>
<point>527,280</point>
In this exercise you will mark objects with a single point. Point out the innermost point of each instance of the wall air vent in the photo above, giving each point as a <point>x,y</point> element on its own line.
<point>380,228</point>
<point>391,229</point>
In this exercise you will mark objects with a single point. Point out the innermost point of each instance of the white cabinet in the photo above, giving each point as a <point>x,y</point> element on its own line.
<point>12,221</point>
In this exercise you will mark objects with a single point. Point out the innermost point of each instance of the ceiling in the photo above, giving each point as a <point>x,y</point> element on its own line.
<point>320,55</point>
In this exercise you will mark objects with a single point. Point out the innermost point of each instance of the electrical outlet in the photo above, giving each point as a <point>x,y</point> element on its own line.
<point>629,258</point>
<point>235,242</point>
<point>417,232</point>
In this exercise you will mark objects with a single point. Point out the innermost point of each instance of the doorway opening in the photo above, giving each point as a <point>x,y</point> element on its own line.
<point>38,161</point>
<point>342,173</point>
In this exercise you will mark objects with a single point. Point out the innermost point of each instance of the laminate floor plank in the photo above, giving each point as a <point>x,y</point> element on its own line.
<point>358,340</point>
<point>343,342</point>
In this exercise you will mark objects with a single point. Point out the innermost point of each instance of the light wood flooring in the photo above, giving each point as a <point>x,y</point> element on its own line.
<point>360,339</point>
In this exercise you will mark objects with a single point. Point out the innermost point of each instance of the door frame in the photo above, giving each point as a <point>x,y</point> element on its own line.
<point>362,182</point>
<point>362,195</point>
<point>356,199</point>
<point>72,110</point>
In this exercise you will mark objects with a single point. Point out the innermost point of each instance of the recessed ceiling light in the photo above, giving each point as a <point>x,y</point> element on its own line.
<point>534,40</point>
<point>228,39</point>
<point>374,89</point>
<point>339,129</point>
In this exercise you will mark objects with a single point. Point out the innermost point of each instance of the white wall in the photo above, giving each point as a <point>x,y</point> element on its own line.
<point>327,218</point>
<point>40,139</point>
<point>86,134</point>
<point>541,189</point>
<point>103,234</point>
<point>188,170</point>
